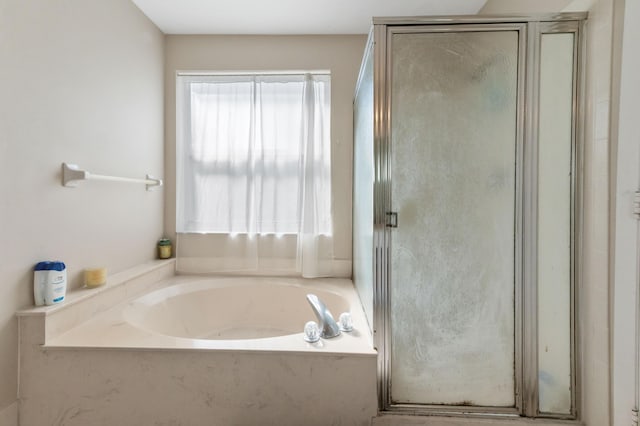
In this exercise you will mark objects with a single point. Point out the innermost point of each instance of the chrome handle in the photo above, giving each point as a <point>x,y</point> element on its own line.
<point>392,219</point>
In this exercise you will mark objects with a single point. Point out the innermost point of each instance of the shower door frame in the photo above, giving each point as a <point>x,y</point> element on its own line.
<point>529,30</point>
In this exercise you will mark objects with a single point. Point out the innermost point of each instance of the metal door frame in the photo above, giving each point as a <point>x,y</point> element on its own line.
<point>529,29</point>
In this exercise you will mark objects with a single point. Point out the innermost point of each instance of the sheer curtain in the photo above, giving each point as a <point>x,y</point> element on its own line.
<point>253,163</point>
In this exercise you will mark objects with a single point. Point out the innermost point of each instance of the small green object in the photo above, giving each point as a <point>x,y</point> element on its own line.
<point>164,242</point>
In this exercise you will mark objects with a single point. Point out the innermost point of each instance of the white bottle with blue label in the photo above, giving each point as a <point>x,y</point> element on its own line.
<point>49,283</point>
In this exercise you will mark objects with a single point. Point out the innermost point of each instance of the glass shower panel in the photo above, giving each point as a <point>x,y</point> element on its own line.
<point>363,177</point>
<point>453,170</point>
<point>554,222</point>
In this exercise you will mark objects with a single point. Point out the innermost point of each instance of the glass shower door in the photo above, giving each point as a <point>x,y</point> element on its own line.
<point>453,167</point>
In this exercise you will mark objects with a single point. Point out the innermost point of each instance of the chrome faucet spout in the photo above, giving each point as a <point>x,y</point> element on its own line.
<point>328,326</point>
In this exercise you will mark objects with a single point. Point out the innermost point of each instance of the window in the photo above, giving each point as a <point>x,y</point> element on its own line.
<point>253,154</point>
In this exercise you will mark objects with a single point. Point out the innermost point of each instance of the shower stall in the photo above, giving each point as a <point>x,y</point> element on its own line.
<point>466,212</point>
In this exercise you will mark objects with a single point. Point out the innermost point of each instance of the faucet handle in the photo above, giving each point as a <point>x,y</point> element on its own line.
<point>311,332</point>
<point>345,322</point>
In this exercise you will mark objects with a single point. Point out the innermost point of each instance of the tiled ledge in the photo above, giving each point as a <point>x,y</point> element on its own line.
<point>130,282</point>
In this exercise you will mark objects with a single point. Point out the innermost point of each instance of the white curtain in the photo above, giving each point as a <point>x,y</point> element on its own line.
<point>253,162</point>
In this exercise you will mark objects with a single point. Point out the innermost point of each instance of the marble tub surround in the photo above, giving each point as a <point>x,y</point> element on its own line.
<point>107,370</point>
<point>74,387</point>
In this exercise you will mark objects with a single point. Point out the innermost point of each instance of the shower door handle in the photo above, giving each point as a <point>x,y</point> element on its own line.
<point>392,219</point>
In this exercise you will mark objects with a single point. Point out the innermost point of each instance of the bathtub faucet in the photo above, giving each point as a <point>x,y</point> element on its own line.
<point>328,326</point>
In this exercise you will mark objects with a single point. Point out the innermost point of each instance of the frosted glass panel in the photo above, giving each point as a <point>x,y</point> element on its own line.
<point>554,223</point>
<point>453,158</point>
<point>363,187</point>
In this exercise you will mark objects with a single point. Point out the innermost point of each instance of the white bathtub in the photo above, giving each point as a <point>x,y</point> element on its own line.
<point>231,309</point>
<point>225,313</point>
<point>198,351</point>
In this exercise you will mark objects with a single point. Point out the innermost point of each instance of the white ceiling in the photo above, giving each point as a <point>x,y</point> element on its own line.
<point>289,16</point>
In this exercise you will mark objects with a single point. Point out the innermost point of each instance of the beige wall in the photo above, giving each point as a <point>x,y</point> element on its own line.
<point>340,54</point>
<point>522,6</point>
<point>626,176</point>
<point>81,81</point>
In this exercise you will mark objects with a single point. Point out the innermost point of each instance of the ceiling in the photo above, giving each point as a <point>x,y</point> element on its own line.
<point>289,16</point>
